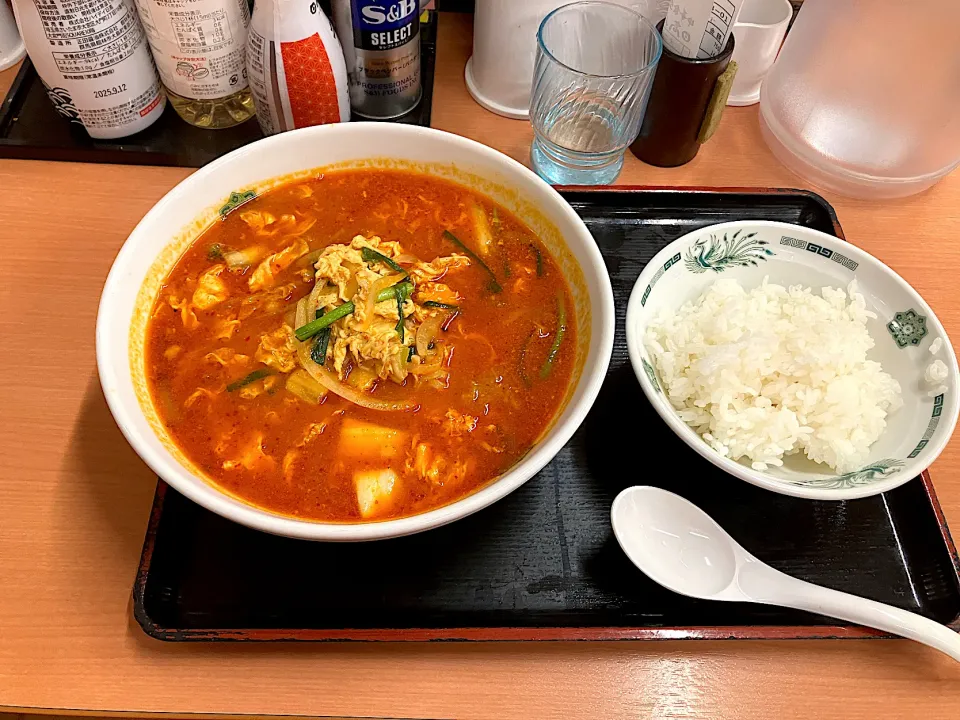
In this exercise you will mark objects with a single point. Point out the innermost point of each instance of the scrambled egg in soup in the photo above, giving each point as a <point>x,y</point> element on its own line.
<point>361,346</point>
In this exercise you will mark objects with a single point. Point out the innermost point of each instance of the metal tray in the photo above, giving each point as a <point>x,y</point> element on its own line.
<point>31,129</point>
<point>542,564</point>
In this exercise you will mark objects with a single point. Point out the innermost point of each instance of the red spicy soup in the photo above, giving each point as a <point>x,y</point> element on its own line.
<point>361,346</point>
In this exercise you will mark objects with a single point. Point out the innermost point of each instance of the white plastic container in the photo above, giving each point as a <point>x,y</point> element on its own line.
<point>11,45</point>
<point>863,97</point>
<point>499,74</point>
<point>759,31</point>
<point>96,67</point>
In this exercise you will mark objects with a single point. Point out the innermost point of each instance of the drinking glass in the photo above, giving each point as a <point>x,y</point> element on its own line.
<point>595,65</point>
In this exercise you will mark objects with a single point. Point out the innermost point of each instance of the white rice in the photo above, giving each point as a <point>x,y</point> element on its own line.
<point>773,371</point>
<point>936,372</point>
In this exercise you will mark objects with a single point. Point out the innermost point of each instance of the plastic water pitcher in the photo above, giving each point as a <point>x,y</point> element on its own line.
<point>864,98</point>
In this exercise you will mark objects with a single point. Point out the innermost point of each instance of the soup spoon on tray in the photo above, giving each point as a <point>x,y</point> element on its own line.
<point>679,546</point>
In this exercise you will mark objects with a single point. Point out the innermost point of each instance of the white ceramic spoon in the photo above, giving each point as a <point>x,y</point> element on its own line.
<point>679,546</point>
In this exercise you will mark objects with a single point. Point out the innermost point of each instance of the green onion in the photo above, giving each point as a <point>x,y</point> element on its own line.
<point>326,320</point>
<point>557,338</point>
<point>413,351</point>
<point>370,255</point>
<point>251,378</point>
<point>494,285</point>
<point>506,268</point>
<point>399,326</point>
<point>440,305</point>
<point>215,252</point>
<point>405,287</point>
<point>305,332</point>
<point>319,351</point>
<point>539,260</point>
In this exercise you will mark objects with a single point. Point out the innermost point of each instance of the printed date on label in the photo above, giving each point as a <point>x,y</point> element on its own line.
<point>107,92</point>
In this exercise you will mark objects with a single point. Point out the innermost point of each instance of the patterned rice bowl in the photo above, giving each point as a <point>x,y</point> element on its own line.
<point>903,333</point>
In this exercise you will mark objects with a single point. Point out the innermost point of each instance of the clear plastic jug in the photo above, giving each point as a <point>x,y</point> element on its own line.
<point>864,98</point>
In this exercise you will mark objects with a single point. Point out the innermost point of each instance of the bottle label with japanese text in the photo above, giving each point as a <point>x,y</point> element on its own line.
<point>382,47</point>
<point>198,45</point>
<point>93,59</point>
<point>384,24</point>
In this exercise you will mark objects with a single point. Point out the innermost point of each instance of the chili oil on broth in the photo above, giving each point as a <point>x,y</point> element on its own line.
<point>504,376</point>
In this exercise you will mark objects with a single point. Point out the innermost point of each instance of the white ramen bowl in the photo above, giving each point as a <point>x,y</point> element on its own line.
<point>167,230</point>
<point>903,331</point>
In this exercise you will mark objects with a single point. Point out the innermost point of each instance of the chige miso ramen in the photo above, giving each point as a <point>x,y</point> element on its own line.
<point>365,345</point>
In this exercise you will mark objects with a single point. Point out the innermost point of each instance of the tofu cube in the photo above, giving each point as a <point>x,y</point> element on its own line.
<point>375,491</point>
<point>366,440</point>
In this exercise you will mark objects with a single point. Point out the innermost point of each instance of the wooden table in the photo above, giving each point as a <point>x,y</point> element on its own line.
<point>74,498</point>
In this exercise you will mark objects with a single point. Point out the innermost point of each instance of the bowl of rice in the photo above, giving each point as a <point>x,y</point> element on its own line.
<point>793,360</point>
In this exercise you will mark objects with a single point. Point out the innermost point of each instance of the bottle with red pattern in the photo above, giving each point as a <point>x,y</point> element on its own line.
<point>295,66</point>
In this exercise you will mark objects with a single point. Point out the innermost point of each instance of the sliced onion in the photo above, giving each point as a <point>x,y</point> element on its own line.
<point>331,382</point>
<point>303,227</point>
<point>407,259</point>
<point>313,300</point>
<point>380,284</point>
<point>351,287</point>
<point>427,368</point>
<point>427,333</point>
<point>361,378</point>
<point>303,305</point>
<point>240,259</point>
<point>481,229</point>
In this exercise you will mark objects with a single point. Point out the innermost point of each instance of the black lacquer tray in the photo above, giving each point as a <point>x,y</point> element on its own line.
<point>542,564</point>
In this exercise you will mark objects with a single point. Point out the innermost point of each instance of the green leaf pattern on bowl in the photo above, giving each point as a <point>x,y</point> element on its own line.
<point>858,478</point>
<point>907,328</point>
<point>718,254</point>
<point>236,200</point>
<point>651,374</point>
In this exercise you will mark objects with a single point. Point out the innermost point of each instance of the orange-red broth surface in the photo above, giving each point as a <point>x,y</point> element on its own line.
<point>481,418</point>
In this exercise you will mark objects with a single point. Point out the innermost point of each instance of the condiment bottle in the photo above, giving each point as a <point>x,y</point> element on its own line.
<point>94,62</point>
<point>296,67</point>
<point>381,42</point>
<point>199,49</point>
